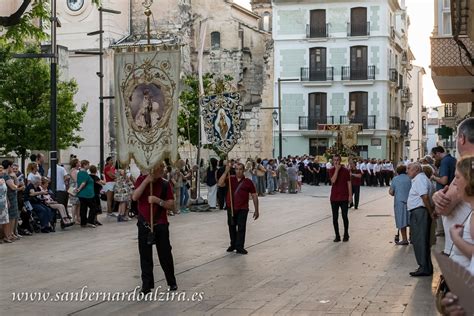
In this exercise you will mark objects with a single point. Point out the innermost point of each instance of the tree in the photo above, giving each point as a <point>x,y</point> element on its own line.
<point>27,22</point>
<point>25,107</point>
<point>188,116</point>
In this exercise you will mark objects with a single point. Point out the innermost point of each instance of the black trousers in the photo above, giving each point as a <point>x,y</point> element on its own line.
<point>356,194</point>
<point>237,227</point>
<point>344,205</point>
<point>420,226</point>
<point>221,193</point>
<point>87,218</point>
<point>365,177</point>
<point>163,247</point>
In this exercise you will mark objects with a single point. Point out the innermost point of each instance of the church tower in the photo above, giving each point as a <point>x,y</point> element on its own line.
<point>264,9</point>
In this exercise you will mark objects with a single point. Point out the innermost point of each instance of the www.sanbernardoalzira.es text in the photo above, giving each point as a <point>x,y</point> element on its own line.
<point>85,295</point>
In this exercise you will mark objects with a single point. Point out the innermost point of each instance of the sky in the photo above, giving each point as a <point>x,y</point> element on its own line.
<point>421,14</point>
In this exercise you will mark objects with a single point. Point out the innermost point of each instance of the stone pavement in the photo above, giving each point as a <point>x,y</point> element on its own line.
<point>293,266</point>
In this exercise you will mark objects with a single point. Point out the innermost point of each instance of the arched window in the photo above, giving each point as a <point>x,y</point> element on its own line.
<point>266,22</point>
<point>215,40</point>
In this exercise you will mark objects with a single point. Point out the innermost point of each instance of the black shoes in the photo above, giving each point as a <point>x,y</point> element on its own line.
<point>242,251</point>
<point>230,249</point>
<point>173,287</point>
<point>419,273</point>
<point>346,238</point>
<point>145,290</point>
<point>337,239</point>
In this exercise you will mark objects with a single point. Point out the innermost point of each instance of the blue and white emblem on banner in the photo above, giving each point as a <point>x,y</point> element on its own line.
<point>221,115</point>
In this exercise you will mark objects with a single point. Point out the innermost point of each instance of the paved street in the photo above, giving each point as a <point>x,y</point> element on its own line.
<point>293,266</point>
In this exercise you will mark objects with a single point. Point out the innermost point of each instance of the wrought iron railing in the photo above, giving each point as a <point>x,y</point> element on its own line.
<point>358,29</point>
<point>404,128</point>
<point>405,94</point>
<point>395,122</point>
<point>311,123</point>
<point>368,122</point>
<point>354,73</point>
<point>326,74</point>
<point>393,75</point>
<point>313,31</point>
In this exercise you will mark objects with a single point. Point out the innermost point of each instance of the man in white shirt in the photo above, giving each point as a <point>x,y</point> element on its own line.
<point>378,173</point>
<point>370,173</point>
<point>421,213</point>
<point>363,169</point>
<point>61,193</point>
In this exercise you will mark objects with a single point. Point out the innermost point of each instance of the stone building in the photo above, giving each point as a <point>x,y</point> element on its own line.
<point>349,61</point>
<point>238,43</point>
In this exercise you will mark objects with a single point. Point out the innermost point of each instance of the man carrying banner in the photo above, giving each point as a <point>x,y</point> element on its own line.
<point>160,200</point>
<point>237,201</point>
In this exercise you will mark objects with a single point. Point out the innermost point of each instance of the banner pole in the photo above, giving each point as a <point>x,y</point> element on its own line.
<point>230,193</point>
<point>152,222</point>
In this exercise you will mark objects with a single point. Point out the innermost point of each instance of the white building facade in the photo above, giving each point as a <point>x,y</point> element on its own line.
<point>349,61</point>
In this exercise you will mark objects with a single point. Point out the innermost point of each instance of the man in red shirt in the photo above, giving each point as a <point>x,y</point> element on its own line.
<point>241,187</point>
<point>341,196</point>
<point>161,200</point>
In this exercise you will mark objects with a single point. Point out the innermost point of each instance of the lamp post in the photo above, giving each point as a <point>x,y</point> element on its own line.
<point>279,122</point>
<point>100,74</point>
<point>53,55</point>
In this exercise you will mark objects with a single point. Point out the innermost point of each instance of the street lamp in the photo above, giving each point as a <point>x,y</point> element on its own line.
<point>275,116</point>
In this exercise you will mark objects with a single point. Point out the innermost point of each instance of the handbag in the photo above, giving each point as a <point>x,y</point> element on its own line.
<point>440,293</point>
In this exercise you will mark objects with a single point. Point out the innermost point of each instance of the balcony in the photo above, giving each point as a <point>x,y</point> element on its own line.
<point>313,31</point>
<point>358,29</point>
<point>450,69</point>
<point>368,122</point>
<point>404,128</point>
<point>393,75</point>
<point>311,123</point>
<point>394,122</point>
<point>317,75</point>
<point>405,95</point>
<point>348,73</point>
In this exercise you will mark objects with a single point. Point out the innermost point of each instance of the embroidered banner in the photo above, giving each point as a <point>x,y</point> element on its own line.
<point>146,90</point>
<point>221,116</point>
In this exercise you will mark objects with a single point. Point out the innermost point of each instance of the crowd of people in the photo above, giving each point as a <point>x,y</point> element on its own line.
<point>433,196</point>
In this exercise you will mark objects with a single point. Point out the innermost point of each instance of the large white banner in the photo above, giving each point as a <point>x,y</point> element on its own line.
<point>147,87</point>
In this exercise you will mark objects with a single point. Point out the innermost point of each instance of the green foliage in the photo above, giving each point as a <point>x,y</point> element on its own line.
<point>25,107</point>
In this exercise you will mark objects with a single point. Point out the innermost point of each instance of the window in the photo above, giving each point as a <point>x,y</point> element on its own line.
<point>317,64</point>
<point>215,40</point>
<point>446,18</point>
<point>317,109</point>
<point>358,63</point>
<point>317,146</point>
<point>446,4</point>
<point>359,24</point>
<point>266,23</point>
<point>317,24</point>
<point>447,23</point>
<point>358,107</point>
<point>450,109</point>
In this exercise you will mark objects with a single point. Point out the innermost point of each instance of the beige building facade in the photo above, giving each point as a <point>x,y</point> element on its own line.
<point>237,43</point>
